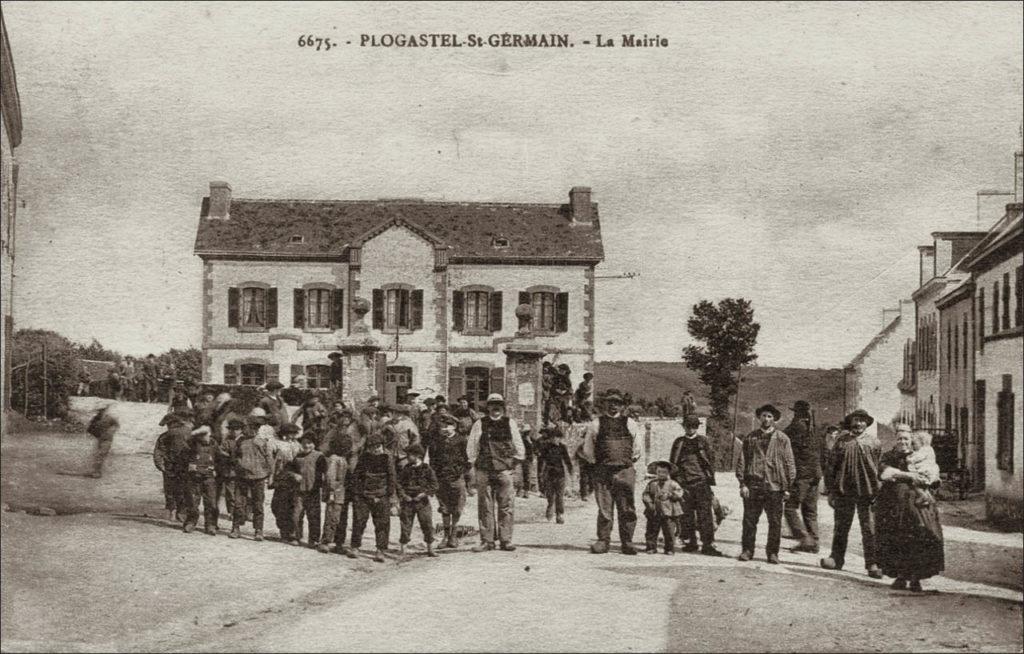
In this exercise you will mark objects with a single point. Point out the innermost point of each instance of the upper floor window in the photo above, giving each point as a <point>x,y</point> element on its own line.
<point>476,309</point>
<point>980,331</point>
<point>550,308</point>
<point>995,307</point>
<point>1019,316</point>
<point>397,307</point>
<point>1006,300</point>
<point>319,306</point>
<point>252,307</point>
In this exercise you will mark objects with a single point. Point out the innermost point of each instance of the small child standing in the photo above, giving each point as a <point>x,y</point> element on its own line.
<point>662,507</point>
<point>416,483</point>
<point>922,461</point>
<point>308,467</point>
<point>554,464</point>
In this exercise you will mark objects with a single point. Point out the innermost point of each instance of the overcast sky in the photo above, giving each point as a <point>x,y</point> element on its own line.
<point>794,155</point>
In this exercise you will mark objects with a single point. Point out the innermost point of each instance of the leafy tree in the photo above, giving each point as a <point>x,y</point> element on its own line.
<point>729,334</point>
<point>95,351</point>
<point>62,368</point>
<point>188,363</point>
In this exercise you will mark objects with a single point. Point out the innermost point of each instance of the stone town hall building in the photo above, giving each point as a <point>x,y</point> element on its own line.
<point>414,294</point>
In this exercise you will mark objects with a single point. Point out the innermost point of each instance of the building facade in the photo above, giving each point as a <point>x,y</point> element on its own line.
<point>996,265</point>
<point>10,138</point>
<point>424,293</point>
<point>874,374</point>
<point>956,375</point>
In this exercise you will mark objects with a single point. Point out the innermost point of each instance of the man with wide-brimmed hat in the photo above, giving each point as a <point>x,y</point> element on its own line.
<point>273,404</point>
<point>495,446</point>
<point>802,506</point>
<point>852,483</point>
<point>765,470</point>
<point>612,444</point>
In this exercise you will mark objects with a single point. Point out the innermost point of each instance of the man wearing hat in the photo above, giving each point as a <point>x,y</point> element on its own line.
<point>273,404</point>
<point>494,447</point>
<point>851,482</point>
<point>170,458</point>
<point>765,470</point>
<point>691,455</point>
<point>612,444</point>
<point>802,506</point>
<point>253,465</point>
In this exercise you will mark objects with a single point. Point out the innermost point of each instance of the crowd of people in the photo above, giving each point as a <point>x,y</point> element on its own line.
<point>145,379</point>
<point>329,466</point>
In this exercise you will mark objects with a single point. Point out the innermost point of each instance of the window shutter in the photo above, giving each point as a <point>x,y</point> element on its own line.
<point>494,321</point>
<point>561,312</point>
<point>498,380</point>
<point>230,372</point>
<point>232,308</point>
<point>458,310</point>
<point>296,371</point>
<point>337,308</point>
<point>273,373</point>
<point>456,382</point>
<point>524,297</point>
<point>378,308</point>
<point>416,318</point>
<point>380,366</point>
<point>271,307</point>
<point>299,310</point>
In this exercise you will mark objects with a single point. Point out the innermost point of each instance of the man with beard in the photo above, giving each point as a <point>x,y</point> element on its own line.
<point>495,446</point>
<point>612,445</point>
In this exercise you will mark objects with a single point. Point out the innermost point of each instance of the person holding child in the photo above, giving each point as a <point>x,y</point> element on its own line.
<point>662,506</point>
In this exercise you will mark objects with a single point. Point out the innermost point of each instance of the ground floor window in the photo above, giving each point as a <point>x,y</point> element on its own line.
<point>318,376</point>
<point>397,382</point>
<point>253,374</point>
<point>478,386</point>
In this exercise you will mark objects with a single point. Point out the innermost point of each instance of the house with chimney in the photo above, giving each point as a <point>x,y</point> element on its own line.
<point>410,294</point>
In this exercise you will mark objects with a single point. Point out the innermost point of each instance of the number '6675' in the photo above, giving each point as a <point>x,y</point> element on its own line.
<point>310,41</point>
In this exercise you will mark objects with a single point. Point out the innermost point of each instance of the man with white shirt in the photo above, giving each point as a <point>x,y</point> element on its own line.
<point>495,447</point>
<point>612,444</point>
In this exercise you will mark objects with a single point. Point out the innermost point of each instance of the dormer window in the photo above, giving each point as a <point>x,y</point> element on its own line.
<point>296,238</point>
<point>499,242</point>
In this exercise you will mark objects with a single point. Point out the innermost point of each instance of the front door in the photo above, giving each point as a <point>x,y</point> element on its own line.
<point>397,382</point>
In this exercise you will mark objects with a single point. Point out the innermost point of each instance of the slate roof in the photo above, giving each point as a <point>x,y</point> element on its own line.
<point>265,228</point>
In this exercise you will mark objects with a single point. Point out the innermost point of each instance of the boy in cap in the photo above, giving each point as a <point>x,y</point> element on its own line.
<point>691,456</point>
<point>374,483</point>
<point>226,474</point>
<point>307,468</point>
<point>765,469</point>
<point>416,483</point>
<point>553,465</point>
<point>283,449</point>
<point>253,465</point>
<point>448,459</point>
<point>335,478</point>
<point>662,498</point>
<point>201,482</point>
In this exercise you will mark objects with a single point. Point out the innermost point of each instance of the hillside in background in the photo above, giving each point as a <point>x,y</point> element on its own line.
<point>823,388</point>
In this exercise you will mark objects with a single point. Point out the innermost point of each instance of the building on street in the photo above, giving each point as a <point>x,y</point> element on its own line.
<point>413,294</point>
<point>10,138</point>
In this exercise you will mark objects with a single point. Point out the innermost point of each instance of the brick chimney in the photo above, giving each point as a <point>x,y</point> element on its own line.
<point>579,205</point>
<point>220,200</point>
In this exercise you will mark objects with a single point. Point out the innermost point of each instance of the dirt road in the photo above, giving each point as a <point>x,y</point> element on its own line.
<point>115,579</point>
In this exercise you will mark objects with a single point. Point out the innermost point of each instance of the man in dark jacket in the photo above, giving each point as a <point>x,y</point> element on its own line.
<point>103,427</point>
<point>612,445</point>
<point>691,456</point>
<point>447,449</point>
<point>765,470</point>
<point>307,468</point>
<point>802,506</point>
<point>851,482</point>
<point>169,457</point>
<point>374,483</point>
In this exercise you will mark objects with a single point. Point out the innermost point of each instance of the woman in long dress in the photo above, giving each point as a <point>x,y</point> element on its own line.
<point>909,536</point>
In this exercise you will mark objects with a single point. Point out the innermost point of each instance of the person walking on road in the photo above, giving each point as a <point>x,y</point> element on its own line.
<point>852,485</point>
<point>494,446</point>
<point>802,506</point>
<point>612,444</point>
<point>103,427</point>
<point>766,470</point>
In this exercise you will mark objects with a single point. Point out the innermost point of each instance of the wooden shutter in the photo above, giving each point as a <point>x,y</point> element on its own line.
<point>458,310</point>
<point>456,382</point>
<point>273,373</point>
<point>296,371</point>
<point>524,297</point>
<point>494,321</point>
<point>232,308</point>
<point>497,381</point>
<point>561,312</point>
<point>299,310</point>
<point>337,308</point>
<point>230,372</point>
<point>378,308</point>
<point>416,316</point>
<point>380,367</point>
<point>271,307</point>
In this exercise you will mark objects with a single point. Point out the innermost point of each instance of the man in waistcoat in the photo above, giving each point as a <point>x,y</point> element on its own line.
<point>612,444</point>
<point>495,447</point>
